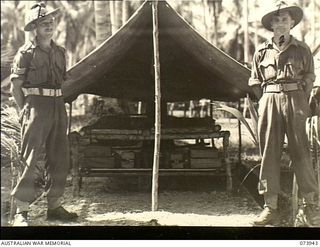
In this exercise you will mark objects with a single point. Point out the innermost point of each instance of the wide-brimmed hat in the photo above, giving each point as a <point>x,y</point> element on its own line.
<point>37,11</point>
<point>295,12</point>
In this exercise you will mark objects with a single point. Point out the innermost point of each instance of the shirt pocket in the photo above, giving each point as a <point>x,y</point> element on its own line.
<point>38,73</point>
<point>268,69</point>
<point>293,68</point>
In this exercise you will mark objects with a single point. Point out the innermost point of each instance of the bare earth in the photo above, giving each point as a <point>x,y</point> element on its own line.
<point>119,201</point>
<point>98,206</point>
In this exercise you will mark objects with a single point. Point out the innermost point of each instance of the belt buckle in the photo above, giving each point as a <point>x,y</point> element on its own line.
<point>51,92</point>
<point>281,87</point>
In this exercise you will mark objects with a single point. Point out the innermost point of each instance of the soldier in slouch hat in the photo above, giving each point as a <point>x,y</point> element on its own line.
<point>283,73</point>
<point>39,69</point>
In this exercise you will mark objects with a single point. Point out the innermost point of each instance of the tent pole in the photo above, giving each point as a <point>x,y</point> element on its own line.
<point>240,139</point>
<point>157,133</point>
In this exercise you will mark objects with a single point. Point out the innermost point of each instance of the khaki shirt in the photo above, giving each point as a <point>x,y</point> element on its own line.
<point>39,68</point>
<point>295,62</point>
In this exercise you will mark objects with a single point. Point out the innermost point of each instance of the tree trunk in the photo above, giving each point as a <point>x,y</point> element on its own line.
<point>112,16</point>
<point>125,11</point>
<point>313,24</point>
<point>256,26</point>
<point>118,14</point>
<point>102,21</point>
<point>206,19</point>
<point>246,33</point>
<point>215,14</point>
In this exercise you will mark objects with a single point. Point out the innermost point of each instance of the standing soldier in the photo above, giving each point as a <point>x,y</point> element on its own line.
<point>38,70</point>
<point>283,70</point>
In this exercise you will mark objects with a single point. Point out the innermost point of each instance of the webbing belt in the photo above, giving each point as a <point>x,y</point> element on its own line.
<point>42,92</point>
<point>283,87</point>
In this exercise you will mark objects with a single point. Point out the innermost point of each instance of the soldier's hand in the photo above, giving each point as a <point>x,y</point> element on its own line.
<point>314,100</point>
<point>315,93</point>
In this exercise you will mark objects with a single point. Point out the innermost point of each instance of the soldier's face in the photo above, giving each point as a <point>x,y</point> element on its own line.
<point>282,23</point>
<point>45,27</point>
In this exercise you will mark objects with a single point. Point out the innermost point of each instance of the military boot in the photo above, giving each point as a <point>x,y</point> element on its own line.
<point>20,219</point>
<point>268,216</point>
<point>61,214</point>
<point>312,213</point>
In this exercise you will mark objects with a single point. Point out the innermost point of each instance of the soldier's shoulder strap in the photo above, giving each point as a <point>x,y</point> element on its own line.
<point>263,46</point>
<point>26,48</point>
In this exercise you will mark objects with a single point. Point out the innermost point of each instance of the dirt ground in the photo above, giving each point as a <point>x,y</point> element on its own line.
<point>108,202</point>
<point>183,201</point>
<point>126,201</point>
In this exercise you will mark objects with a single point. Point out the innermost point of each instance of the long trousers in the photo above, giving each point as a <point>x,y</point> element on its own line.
<point>44,125</point>
<point>280,114</point>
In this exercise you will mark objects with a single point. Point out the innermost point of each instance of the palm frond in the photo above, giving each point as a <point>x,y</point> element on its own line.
<point>246,176</point>
<point>235,112</point>
<point>10,133</point>
<point>253,115</point>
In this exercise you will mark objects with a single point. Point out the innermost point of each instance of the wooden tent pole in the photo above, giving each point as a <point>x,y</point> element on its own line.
<point>240,139</point>
<point>157,137</point>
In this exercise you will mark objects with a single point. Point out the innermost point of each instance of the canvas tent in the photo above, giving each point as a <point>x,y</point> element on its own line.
<point>191,68</point>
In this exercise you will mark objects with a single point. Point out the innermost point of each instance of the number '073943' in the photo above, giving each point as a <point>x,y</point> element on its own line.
<point>309,243</point>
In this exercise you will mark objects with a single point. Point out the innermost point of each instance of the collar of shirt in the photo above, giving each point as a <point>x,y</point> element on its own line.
<point>35,43</point>
<point>270,44</point>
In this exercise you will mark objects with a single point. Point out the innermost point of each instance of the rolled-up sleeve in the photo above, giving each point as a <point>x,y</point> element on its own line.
<point>18,67</point>
<point>255,78</point>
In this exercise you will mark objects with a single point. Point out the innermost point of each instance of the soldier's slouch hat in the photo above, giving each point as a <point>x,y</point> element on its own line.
<point>295,12</point>
<point>37,12</point>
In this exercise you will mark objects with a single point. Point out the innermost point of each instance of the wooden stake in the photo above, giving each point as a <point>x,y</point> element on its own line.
<point>140,107</point>
<point>157,137</point>
<point>14,178</point>
<point>294,197</point>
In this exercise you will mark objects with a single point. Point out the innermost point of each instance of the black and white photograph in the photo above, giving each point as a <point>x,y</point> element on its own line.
<point>176,114</point>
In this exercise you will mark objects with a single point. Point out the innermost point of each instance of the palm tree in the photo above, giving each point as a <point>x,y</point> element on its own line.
<point>102,21</point>
<point>75,30</point>
<point>125,10</point>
